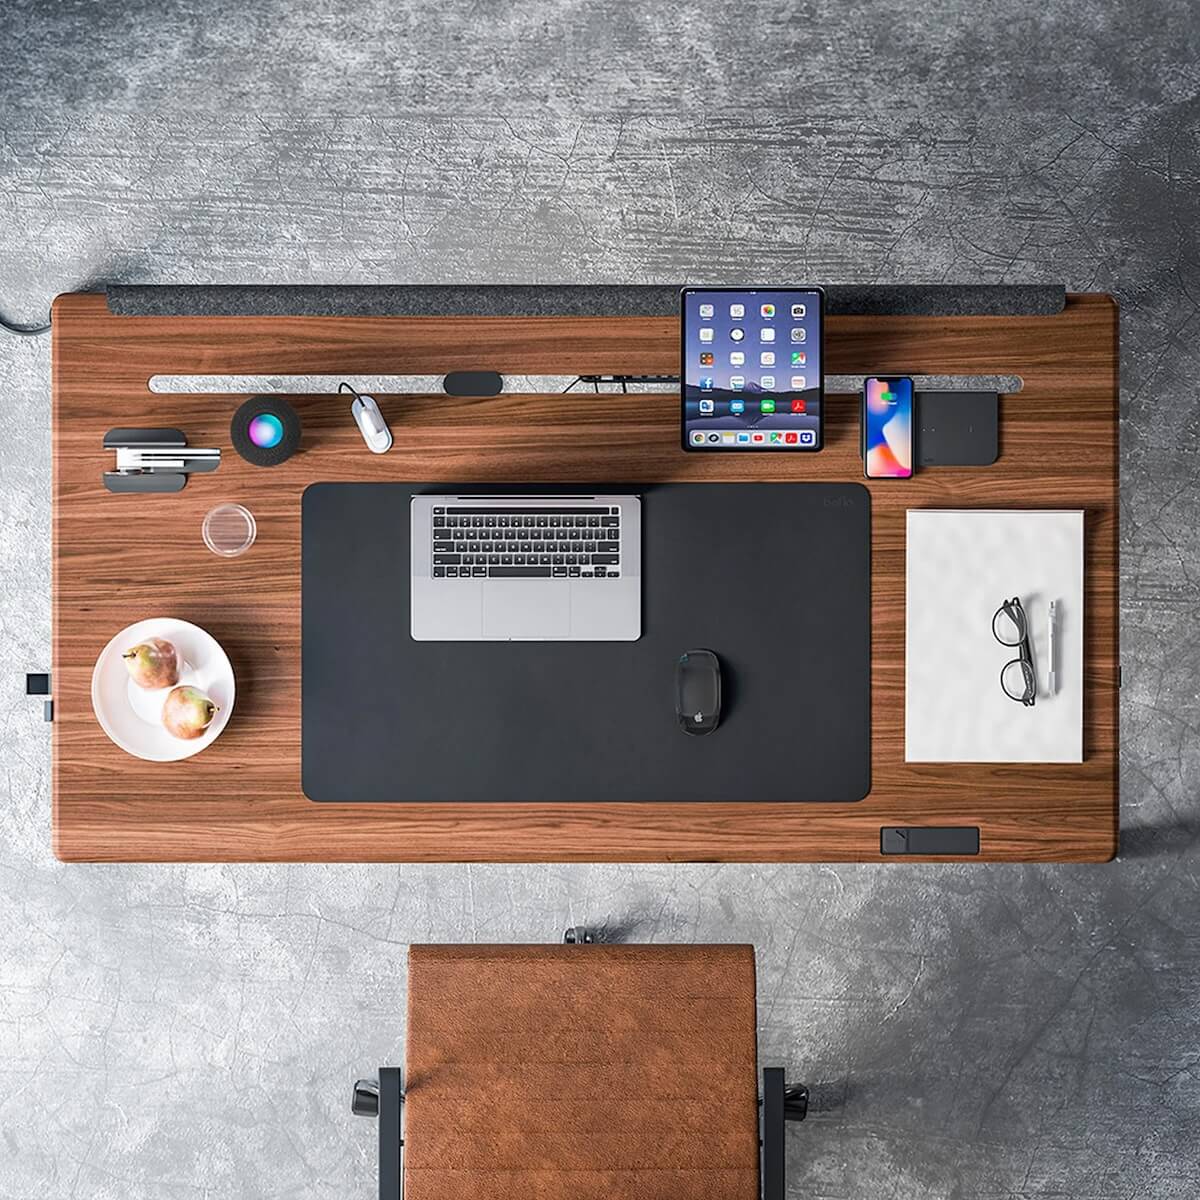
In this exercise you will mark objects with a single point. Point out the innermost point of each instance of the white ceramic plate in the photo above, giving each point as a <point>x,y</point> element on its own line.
<point>130,715</point>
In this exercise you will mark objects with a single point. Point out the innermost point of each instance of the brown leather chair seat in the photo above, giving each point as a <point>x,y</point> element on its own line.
<point>588,1073</point>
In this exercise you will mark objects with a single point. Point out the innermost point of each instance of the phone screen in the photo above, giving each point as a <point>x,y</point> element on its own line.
<point>888,433</point>
<point>751,373</point>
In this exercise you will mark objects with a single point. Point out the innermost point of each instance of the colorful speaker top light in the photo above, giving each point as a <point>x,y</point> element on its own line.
<point>266,430</point>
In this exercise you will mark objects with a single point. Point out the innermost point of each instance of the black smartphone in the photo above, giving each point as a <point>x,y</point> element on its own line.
<point>751,376</point>
<point>887,427</point>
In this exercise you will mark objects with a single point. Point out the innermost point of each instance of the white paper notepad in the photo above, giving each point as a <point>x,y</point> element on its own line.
<point>961,565</point>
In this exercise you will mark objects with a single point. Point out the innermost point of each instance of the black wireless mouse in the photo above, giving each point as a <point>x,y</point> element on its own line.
<point>698,691</point>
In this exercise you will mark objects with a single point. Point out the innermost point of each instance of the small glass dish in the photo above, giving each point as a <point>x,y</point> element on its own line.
<point>229,530</point>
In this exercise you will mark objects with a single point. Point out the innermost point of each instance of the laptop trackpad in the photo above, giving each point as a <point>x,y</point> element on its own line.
<point>527,608</point>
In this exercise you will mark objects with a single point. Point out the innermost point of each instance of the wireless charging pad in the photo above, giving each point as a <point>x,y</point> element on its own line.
<point>957,429</point>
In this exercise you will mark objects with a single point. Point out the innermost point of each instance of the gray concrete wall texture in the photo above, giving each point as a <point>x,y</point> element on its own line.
<point>190,1032</point>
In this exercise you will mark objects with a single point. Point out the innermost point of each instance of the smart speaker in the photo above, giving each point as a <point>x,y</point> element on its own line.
<point>265,431</point>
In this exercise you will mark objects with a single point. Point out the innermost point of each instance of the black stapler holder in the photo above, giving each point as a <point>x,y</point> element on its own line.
<point>154,460</point>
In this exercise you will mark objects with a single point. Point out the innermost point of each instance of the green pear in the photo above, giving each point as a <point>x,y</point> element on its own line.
<point>153,663</point>
<point>187,712</point>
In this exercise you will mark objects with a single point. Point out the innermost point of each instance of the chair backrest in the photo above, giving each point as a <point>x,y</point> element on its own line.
<point>581,1072</point>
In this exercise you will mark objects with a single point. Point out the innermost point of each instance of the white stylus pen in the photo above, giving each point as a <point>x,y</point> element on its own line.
<point>1051,645</point>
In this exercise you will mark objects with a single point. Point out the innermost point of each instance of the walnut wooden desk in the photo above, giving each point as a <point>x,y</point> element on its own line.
<point>121,558</point>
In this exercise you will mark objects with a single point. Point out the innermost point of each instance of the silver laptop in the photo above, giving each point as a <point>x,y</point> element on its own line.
<point>526,568</point>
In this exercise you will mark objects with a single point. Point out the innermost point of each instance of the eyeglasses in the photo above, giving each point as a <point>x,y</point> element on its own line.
<point>1010,627</point>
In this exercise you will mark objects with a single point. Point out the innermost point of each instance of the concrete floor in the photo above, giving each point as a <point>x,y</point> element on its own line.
<point>175,1032</point>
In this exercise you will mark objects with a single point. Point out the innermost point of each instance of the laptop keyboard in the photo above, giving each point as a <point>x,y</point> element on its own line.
<point>574,541</point>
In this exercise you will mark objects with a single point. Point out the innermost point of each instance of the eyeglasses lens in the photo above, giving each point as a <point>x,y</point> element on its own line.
<point>1017,680</point>
<point>1008,626</point>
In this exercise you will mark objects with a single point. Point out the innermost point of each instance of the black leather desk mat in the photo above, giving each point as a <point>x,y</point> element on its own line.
<point>774,578</point>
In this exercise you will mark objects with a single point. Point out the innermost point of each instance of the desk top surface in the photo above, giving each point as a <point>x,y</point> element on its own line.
<point>120,558</point>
